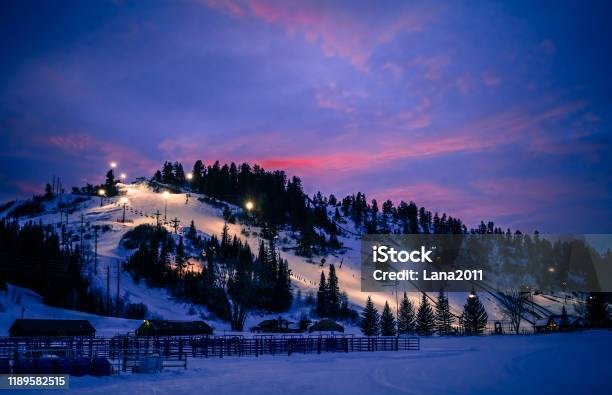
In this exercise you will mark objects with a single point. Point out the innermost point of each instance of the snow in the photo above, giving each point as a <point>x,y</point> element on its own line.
<point>209,220</point>
<point>542,364</point>
<point>557,363</point>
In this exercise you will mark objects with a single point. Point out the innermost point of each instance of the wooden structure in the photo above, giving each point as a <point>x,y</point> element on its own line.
<point>326,325</point>
<point>57,328</point>
<point>159,328</point>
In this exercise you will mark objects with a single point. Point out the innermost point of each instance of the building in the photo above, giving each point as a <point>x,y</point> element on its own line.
<point>277,326</point>
<point>555,322</point>
<point>173,328</point>
<point>35,328</point>
<point>326,325</point>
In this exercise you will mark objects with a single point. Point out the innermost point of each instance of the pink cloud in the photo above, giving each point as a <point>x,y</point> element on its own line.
<point>485,134</point>
<point>27,187</point>
<point>93,150</point>
<point>433,66</point>
<point>73,143</point>
<point>334,98</point>
<point>491,79</point>
<point>394,69</point>
<point>338,32</point>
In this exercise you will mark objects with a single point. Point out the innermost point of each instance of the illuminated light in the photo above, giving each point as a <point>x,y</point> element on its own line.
<point>189,176</point>
<point>124,200</point>
<point>113,164</point>
<point>166,194</point>
<point>123,176</point>
<point>551,269</point>
<point>249,205</point>
<point>101,192</point>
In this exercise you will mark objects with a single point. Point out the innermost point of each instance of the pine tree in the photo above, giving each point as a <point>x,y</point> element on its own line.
<point>333,293</point>
<point>370,320</point>
<point>444,318</point>
<point>564,319</point>
<point>406,319</point>
<point>167,173</point>
<point>322,302</point>
<point>110,185</point>
<point>474,317</point>
<point>179,174</point>
<point>48,192</point>
<point>425,323</point>
<point>192,232</point>
<point>387,321</point>
<point>157,176</point>
<point>181,261</point>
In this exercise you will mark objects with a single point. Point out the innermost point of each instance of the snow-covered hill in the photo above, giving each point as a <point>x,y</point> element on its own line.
<point>141,206</point>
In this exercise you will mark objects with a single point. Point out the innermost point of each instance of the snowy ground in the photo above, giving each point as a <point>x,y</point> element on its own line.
<point>577,363</point>
<point>143,202</point>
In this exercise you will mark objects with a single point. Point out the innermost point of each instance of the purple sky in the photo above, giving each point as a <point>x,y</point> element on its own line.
<point>490,111</point>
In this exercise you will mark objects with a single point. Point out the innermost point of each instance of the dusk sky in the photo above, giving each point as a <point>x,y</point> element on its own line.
<point>483,110</point>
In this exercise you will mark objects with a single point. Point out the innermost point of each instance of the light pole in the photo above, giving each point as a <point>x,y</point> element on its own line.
<point>166,194</point>
<point>123,176</point>
<point>249,205</point>
<point>124,201</point>
<point>113,165</point>
<point>101,193</point>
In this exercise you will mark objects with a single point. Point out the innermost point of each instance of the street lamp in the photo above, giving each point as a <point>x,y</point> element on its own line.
<point>101,193</point>
<point>189,176</point>
<point>124,201</point>
<point>123,176</point>
<point>249,205</point>
<point>165,195</point>
<point>113,164</point>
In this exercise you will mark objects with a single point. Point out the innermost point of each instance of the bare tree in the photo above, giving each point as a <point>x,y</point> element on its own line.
<point>514,307</point>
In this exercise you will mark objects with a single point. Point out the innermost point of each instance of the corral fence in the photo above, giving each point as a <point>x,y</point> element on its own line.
<point>124,352</point>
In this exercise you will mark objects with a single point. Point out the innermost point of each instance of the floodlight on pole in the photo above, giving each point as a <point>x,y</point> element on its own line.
<point>124,201</point>
<point>123,176</point>
<point>113,165</point>
<point>189,176</point>
<point>101,193</point>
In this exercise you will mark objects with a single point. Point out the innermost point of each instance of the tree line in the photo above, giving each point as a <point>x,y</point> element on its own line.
<point>233,281</point>
<point>277,200</point>
<point>425,320</point>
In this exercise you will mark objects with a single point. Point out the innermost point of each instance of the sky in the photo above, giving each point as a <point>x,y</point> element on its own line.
<point>484,110</point>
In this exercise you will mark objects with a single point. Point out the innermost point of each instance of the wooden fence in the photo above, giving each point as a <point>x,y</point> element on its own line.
<point>125,350</point>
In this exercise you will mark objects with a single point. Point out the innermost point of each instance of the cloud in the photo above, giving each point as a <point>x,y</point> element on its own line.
<point>341,32</point>
<point>548,47</point>
<point>394,69</point>
<point>491,79</point>
<point>73,143</point>
<point>333,98</point>
<point>433,66</point>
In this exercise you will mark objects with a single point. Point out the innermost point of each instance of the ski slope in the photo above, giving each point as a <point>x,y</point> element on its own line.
<point>141,206</point>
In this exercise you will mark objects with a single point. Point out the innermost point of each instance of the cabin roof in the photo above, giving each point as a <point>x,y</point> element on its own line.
<point>170,328</point>
<point>47,327</point>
